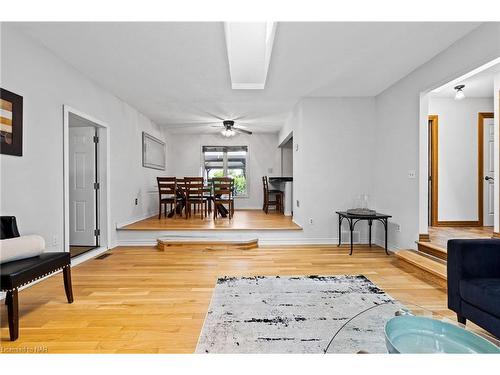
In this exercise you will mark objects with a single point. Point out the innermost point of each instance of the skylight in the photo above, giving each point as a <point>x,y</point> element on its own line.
<point>249,47</point>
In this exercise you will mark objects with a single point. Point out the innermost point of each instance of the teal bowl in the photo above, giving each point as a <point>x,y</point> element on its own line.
<point>414,334</point>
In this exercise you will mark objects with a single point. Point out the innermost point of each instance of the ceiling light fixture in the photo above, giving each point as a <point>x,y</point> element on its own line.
<point>460,93</point>
<point>228,133</point>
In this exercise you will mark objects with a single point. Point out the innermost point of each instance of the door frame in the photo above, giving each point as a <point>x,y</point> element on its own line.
<point>480,175</point>
<point>434,175</point>
<point>103,157</point>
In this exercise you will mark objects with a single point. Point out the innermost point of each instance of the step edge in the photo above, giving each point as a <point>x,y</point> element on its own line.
<point>401,255</point>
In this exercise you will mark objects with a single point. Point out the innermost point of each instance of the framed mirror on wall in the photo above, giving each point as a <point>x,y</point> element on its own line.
<point>153,152</point>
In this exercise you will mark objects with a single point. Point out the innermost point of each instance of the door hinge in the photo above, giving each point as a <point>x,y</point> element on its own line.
<point>96,139</point>
<point>97,232</point>
<point>97,186</point>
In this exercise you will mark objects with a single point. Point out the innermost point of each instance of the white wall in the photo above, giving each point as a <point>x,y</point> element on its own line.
<point>333,162</point>
<point>287,159</point>
<point>457,155</point>
<point>184,158</point>
<point>401,129</point>
<point>32,185</point>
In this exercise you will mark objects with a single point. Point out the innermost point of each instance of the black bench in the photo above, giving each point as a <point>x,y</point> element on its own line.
<point>17,273</point>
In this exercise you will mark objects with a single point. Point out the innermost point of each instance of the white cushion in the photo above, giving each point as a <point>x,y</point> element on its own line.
<point>21,248</point>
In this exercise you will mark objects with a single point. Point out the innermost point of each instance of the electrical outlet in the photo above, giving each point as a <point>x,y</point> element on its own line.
<point>311,221</point>
<point>398,228</point>
<point>298,203</point>
<point>136,201</point>
<point>412,173</point>
<point>54,240</point>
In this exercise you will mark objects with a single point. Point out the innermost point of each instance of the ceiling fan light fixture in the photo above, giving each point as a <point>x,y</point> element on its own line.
<point>459,95</point>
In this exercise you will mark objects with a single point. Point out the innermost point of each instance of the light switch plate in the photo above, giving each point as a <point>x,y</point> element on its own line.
<point>412,173</point>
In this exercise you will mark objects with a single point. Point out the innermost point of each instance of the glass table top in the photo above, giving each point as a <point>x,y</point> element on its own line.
<point>364,332</point>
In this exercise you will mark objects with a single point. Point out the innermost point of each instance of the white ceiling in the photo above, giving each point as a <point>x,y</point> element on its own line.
<point>177,73</point>
<point>477,86</point>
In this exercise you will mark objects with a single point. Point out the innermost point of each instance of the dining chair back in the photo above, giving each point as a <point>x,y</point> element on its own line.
<point>223,194</point>
<point>195,195</point>
<point>167,193</point>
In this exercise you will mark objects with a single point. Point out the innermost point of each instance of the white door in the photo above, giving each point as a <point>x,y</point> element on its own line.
<point>488,172</point>
<point>82,193</point>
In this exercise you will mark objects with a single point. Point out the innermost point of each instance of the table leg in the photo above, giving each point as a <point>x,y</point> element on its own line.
<point>370,233</point>
<point>385,226</point>
<point>340,231</point>
<point>351,227</point>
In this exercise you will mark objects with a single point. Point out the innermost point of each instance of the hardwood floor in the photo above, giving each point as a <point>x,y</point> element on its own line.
<point>440,235</point>
<point>142,300</point>
<point>242,220</point>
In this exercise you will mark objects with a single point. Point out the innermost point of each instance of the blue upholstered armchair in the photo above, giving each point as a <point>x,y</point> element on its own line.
<point>474,282</point>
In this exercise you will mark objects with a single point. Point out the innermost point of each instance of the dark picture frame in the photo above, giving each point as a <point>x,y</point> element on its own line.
<point>11,122</point>
<point>153,152</point>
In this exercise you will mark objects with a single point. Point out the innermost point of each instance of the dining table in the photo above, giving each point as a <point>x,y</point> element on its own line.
<point>181,199</point>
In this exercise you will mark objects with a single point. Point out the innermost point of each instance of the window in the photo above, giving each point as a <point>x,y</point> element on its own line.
<point>231,161</point>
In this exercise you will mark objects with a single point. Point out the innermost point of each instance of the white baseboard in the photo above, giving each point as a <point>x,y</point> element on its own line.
<point>147,215</point>
<point>88,255</point>
<point>264,242</point>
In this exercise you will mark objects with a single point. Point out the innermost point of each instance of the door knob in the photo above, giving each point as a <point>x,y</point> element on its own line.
<point>487,178</point>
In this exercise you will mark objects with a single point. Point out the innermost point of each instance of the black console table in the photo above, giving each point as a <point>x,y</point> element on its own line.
<point>352,219</point>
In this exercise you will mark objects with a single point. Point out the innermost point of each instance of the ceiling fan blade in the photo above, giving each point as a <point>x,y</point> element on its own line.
<point>239,130</point>
<point>187,124</point>
<point>214,116</point>
<point>238,118</point>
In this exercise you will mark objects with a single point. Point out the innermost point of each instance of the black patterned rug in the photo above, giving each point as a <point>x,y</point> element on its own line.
<point>264,314</point>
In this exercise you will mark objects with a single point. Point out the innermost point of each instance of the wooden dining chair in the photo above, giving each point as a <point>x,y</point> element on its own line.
<point>268,197</point>
<point>195,196</point>
<point>223,194</point>
<point>167,193</point>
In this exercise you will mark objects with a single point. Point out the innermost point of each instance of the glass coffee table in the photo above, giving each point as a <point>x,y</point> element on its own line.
<point>365,331</point>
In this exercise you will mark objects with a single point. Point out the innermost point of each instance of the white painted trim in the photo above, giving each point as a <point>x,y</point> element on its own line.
<point>88,255</point>
<point>247,86</point>
<point>134,219</point>
<point>105,201</point>
<point>263,242</point>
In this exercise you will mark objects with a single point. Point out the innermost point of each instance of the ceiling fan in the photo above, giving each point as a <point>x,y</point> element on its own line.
<point>230,129</point>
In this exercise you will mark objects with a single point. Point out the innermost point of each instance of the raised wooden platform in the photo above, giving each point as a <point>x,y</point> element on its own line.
<point>432,249</point>
<point>207,244</point>
<point>427,267</point>
<point>439,236</point>
<point>430,259</point>
<point>242,220</point>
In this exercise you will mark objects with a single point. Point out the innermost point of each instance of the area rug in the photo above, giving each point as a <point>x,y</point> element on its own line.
<point>295,315</point>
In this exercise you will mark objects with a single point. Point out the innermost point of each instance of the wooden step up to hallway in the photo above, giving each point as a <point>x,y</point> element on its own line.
<point>429,267</point>
<point>432,249</point>
<point>207,243</point>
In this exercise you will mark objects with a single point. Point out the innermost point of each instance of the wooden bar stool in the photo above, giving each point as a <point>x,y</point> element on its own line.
<point>268,195</point>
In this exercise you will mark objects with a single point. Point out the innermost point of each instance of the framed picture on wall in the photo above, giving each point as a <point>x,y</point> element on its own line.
<point>11,123</point>
<point>153,152</point>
